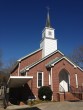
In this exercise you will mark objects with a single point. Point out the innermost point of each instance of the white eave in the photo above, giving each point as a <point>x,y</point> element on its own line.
<point>29,55</point>
<point>30,66</point>
<point>80,68</point>
<point>75,66</point>
<point>16,81</point>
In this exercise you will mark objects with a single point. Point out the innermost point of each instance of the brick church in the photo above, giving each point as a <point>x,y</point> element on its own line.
<point>46,66</point>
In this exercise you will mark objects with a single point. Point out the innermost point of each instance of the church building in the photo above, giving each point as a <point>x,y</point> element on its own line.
<point>46,66</point>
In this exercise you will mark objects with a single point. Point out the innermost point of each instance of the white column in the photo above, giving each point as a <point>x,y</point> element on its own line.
<point>18,68</point>
<point>26,73</point>
<point>69,81</point>
<point>49,78</point>
<point>51,83</point>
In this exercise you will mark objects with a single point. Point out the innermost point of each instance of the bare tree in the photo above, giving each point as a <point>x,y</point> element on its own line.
<point>77,56</point>
<point>10,65</point>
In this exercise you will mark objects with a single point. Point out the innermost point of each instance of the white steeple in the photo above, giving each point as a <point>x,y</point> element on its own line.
<point>48,43</point>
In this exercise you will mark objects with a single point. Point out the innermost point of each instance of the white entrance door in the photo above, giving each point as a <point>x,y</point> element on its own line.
<point>63,86</point>
<point>63,81</point>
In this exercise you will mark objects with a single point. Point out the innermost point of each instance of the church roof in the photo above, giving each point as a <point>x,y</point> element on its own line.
<point>56,60</point>
<point>22,58</point>
<point>37,62</point>
<point>51,63</point>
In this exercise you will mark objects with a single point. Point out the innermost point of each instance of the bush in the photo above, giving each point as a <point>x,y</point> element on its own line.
<point>45,91</point>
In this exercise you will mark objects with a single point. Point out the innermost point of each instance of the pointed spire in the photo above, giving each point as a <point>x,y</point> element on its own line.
<point>48,24</point>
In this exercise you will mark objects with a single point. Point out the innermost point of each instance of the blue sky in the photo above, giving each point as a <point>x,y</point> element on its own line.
<point>22,22</point>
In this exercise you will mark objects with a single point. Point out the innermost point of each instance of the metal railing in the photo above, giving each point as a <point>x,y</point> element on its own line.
<point>79,89</point>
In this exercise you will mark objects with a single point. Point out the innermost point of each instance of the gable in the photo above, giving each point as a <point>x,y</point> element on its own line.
<point>57,60</point>
<point>27,60</point>
<point>31,58</point>
<point>51,56</point>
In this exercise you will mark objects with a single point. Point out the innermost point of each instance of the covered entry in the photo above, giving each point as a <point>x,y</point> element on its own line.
<point>64,81</point>
<point>19,90</point>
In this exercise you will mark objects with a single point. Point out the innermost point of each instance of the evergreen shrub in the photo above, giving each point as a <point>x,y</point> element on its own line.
<point>45,91</point>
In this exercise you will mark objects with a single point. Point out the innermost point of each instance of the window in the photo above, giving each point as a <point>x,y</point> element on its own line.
<point>76,80</point>
<point>39,79</point>
<point>50,33</point>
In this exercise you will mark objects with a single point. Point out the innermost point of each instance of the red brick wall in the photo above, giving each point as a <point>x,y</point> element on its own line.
<point>41,67</point>
<point>63,64</point>
<point>15,72</point>
<point>31,59</point>
<point>71,70</point>
<point>27,61</point>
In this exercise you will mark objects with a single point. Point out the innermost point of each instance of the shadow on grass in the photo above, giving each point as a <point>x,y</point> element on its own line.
<point>32,108</point>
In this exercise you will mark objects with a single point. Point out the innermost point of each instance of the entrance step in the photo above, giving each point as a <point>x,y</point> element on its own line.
<point>72,96</point>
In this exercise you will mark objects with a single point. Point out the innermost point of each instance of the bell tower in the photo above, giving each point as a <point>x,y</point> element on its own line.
<point>48,42</point>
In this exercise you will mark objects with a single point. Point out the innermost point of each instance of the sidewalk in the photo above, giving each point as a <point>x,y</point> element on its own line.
<point>49,106</point>
<point>15,107</point>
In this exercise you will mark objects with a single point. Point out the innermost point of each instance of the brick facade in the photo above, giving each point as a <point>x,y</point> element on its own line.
<point>56,69</point>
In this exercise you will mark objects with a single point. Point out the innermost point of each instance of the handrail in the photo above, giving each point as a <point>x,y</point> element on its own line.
<point>79,89</point>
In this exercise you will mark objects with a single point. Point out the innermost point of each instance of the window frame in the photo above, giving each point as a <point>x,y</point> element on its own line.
<point>38,79</point>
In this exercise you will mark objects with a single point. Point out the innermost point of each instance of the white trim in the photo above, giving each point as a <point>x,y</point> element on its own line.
<point>76,78</point>
<point>68,61</point>
<point>65,59</point>
<point>79,68</point>
<point>23,77</point>
<point>28,67</point>
<point>42,79</point>
<point>16,81</point>
<point>29,55</point>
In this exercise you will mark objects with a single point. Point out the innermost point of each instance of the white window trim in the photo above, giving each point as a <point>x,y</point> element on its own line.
<point>76,78</point>
<point>42,79</point>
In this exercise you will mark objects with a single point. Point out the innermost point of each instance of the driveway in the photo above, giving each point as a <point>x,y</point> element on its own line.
<point>51,106</point>
<point>61,106</point>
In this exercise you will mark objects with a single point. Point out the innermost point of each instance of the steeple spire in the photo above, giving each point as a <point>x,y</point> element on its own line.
<point>48,43</point>
<point>48,24</point>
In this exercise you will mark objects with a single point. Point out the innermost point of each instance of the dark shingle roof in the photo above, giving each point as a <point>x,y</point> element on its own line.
<point>52,61</point>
